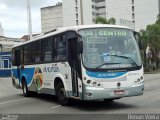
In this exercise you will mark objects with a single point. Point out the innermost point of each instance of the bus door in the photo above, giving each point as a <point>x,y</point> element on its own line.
<point>17,62</point>
<point>73,61</point>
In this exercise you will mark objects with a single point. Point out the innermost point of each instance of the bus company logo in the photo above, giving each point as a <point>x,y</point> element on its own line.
<point>104,75</point>
<point>51,69</point>
<point>38,78</point>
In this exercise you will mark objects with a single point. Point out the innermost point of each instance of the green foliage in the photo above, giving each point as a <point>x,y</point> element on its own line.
<point>151,37</point>
<point>101,20</point>
<point>112,21</point>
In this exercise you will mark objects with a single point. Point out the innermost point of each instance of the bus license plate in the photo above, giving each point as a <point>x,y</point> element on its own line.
<point>119,92</point>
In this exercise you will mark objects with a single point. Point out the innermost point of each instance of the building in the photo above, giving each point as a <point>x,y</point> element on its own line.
<point>82,12</point>
<point>51,17</point>
<point>25,38</point>
<point>136,14</point>
<point>5,64</point>
<point>1,30</point>
<point>5,54</point>
<point>71,13</point>
<point>6,43</point>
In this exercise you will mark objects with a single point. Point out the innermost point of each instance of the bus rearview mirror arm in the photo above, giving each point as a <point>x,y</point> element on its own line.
<point>80,46</point>
<point>137,37</point>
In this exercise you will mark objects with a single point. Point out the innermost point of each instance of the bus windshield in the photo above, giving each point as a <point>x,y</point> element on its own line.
<point>109,48</point>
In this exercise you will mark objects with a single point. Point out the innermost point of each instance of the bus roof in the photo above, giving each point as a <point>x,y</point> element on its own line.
<point>74,28</point>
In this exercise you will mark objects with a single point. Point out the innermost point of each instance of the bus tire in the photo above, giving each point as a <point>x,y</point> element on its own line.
<point>26,93</point>
<point>61,95</point>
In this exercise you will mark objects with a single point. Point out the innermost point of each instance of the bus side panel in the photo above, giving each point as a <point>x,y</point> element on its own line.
<point>52,71</point>
<point>28,73</point>
<point>15,78</point>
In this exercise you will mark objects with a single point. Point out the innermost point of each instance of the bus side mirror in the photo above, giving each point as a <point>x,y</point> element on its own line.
<point>137,37</point>
<point>80,47</point>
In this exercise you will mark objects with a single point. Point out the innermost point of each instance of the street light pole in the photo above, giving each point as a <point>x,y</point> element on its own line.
<point>29,20</point>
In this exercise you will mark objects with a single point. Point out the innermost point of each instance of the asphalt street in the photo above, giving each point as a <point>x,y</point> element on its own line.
<point>12,101</point>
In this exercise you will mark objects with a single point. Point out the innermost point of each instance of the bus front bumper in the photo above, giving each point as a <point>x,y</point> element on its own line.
<point>93,93</point>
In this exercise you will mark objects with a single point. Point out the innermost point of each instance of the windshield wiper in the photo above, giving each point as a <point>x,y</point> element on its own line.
<point>106,64</point>
<point>125,57</point>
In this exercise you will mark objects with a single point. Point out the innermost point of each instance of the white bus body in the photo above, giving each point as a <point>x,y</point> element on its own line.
<point>81,62</point>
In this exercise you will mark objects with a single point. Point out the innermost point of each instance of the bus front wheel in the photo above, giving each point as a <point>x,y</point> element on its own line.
<point>61,95</point>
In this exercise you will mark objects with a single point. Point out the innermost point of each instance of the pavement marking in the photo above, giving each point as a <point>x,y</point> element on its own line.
<point>13,101</point>
<point>55,107</point>
<point>151,85</point>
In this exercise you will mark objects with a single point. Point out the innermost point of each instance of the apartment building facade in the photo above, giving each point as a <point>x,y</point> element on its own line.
<point>51,17</point>
<point>136,14</point>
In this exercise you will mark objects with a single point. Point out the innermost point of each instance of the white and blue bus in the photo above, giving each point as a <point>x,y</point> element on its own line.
<point>87,62</point>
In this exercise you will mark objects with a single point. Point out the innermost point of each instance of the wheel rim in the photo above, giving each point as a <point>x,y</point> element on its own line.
<point>24,88</point>
<point>62,94</point>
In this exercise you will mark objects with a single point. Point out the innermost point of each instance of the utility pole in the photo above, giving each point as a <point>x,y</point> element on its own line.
<point>81,6</point>
<point>29,20</point>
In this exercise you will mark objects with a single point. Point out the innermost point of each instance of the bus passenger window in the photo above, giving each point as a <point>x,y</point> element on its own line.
<point>60,46</point>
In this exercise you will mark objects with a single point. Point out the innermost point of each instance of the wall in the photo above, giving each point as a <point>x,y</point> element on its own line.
<point>51,18</point>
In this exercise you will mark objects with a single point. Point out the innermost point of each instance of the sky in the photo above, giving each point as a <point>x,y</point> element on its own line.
<point>13,16</point>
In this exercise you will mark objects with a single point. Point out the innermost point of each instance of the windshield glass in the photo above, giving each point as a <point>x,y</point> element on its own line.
<point>109,48</point>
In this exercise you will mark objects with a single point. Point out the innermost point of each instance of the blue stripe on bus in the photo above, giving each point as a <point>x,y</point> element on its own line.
<point>27,73</point>
<point>105,74</point>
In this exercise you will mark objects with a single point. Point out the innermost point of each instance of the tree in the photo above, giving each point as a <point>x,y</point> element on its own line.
<point>151,37</point>
<point>112,21</point>
<point>158,19</point>
<point>102,20</point>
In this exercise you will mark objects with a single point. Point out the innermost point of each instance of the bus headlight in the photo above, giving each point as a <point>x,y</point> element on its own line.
<point>88,81</point>
<point>93,83</point>
<point>139,79</point>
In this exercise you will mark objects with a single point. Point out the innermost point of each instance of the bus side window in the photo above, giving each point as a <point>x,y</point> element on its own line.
<point>13,57</point>
<point>36,52</point>
<point>28,53</point>
<point>47,49</point>
<point>60,48</point>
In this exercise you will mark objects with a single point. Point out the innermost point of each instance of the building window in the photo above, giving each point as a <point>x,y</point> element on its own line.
<point>76,22</point>
<point>133,21</point>
<point>93,20</point>
<point>76,9</point>
<point>133,16</point>
<point>76,2</point>
<point>6,63</point>
<point>76,16</point>
<point>132,8</point>
<point>132,2</point>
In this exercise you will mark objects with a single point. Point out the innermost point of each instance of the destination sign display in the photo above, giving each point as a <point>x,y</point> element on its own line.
<point>105,33</point>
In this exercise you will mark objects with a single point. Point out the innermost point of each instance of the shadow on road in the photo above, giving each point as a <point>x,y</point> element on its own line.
<point>87,105</point>
<point>100,105</point>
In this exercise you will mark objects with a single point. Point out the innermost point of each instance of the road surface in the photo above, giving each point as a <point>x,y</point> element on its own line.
<point>13,102</point>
